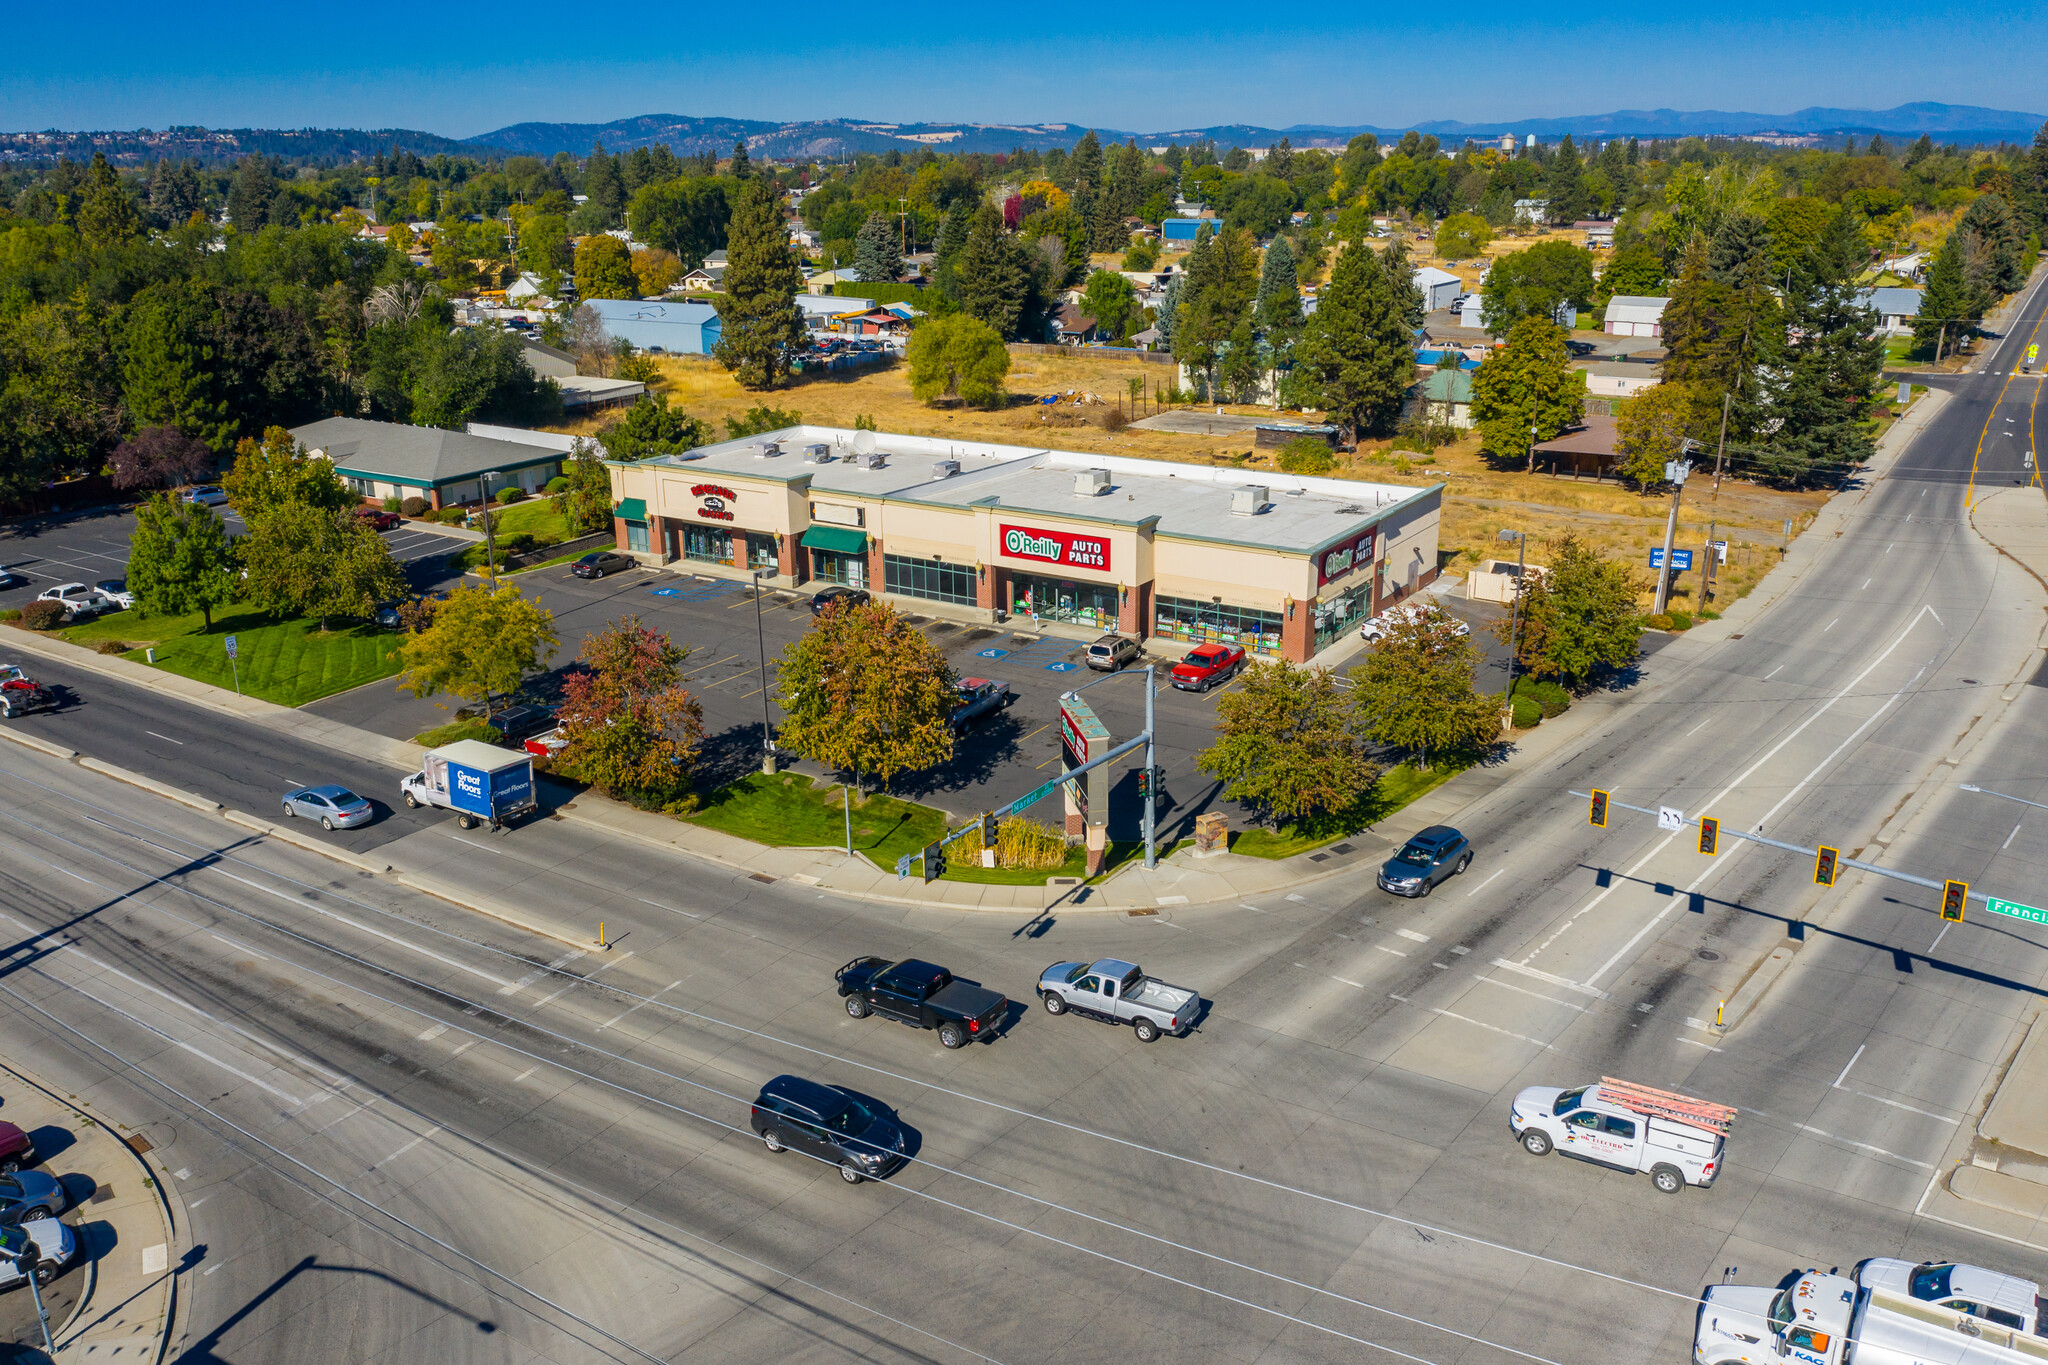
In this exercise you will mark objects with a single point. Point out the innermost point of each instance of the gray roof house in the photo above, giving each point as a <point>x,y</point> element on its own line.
<point>1896,309</point>
<point>447,468</point>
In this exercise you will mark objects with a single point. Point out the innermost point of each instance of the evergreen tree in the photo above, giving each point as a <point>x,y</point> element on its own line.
<point>605,186</point>
<point>761,325</point>
<point>1278,304</point>
<point>741,167</point>
<point>1407,294</point>
<point>1831,357</point>
<point>874,251</point>
<point>2000,269</point>
<point>1566,188</point>
<point>1526,392</point>
<point>108,216</point>
<point>1356,348</point>
<point>250,193</point>
<point>1949,308</point>
<point>1169,312</point>
<point>2032,180</point>
<point>953,233</point>
<point>994,276</point>
<point>167,365</point>
<point>1740,248</point>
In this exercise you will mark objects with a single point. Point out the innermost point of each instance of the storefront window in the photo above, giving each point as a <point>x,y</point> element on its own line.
<point>1180,618</point>
<point>636,536</point>
<point>829,566</point>
<point>763,552</point>
<point>929,579</point>
<point>1340,613</point>
<point>1060,599</point>
<point>711,544</point>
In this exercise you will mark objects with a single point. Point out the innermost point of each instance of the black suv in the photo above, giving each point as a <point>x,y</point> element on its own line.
<point>1428,858</point>
<point>856,1135</point>
<point>602,562</point>
<point>828,598</point>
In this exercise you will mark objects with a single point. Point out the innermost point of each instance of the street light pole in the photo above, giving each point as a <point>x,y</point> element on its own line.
<point>490,539</point>
<point>26,1261</point>
<point>767,734</point>
<point>1515,620</point>
<point>1676,472</point>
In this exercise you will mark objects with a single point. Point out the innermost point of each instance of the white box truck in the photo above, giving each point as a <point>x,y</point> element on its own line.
<point>1679,1140</point>
<point>1892,1313</point>
<point>477,781</point>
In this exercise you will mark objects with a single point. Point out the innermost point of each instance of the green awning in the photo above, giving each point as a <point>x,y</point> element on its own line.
<point>839,539</point>
<point>632,509</point>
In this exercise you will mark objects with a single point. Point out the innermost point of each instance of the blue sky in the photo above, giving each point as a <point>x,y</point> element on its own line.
<point>460,70</point>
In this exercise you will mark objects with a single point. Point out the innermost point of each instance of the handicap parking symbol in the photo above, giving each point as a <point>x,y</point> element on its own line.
<point>1061,667</point>
<point>666,592</point>
<point>990,653</point>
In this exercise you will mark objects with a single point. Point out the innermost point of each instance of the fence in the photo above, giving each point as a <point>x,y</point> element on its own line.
<point>1148,357</point>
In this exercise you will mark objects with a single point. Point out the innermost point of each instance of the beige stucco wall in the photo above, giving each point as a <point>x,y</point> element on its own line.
<point>1242,577</point>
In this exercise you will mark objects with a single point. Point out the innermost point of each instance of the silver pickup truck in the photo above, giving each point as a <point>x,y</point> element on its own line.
<point>1119,993</point>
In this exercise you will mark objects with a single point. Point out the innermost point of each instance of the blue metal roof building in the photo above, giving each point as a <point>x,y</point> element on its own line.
<point>669,328</point>
<point>1183,229</point>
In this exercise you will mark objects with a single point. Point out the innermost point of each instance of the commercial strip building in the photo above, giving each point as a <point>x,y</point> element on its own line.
<point>447,468</point>
<point>1280,564</point>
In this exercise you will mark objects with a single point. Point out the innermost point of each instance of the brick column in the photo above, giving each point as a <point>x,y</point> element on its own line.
<point>1298,635</point>
<point>875,579</point>
<point>786,552</point>
<point>618,529</point>
<point>434,498</point>
<point>657,538</point>
<point>985,587</point>
<point>1134,617</point>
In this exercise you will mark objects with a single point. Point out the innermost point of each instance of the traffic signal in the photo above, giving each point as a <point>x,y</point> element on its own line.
<point>1710,835</point>
<point>934,861</point>
<point>1824,866</point>
<point>988,829</point>
<point>1596,811</point>
<point>1953,897</point>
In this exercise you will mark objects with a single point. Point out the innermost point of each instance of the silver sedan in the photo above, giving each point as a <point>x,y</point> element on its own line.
<point>28,1195</point>
<point>333,807</point>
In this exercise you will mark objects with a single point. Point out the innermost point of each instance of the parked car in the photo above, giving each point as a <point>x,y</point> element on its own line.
<point>516,724</point>
<point>1430,856</point>
<point>115,590</point>
<point>378,518</point>
<point>1458,303</point>
<point>10,579</point>
<point>1112,652</point>
<point>980,698</point>
<point>28,1195</point>
<point>17,1149</point>
<point>1118,992</point>
<point>827,598</point>
<point>206,495</point>
<point>830,1124</point>
<point>53,1245</point>
<point>80,602</point>
<point>546,744</point>
<point>923,996</point>
<point>1376,627</point>
<point>598,563</point>
<point>1207,665</point>
<point>334,807</point>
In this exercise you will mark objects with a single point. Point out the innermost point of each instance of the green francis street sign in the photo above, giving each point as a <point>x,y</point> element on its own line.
<point>2015,910</point>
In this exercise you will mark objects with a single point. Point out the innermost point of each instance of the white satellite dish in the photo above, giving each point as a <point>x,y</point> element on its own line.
<point>863,442</point>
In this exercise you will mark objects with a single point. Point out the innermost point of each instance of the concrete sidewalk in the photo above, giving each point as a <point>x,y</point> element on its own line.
<point>126,1277</point>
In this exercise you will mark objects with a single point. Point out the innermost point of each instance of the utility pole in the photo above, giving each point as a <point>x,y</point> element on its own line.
<point>1721,450</point>
<point>1515,622</point>
<point>490,536</point>
<point>1675,471</point>
<point>767,733</point>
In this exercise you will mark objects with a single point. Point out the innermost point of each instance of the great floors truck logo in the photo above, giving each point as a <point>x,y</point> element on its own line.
<point>1056,547</point>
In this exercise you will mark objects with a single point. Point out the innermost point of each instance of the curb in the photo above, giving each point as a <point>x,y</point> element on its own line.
<point>497,910</point>
<point>285,835</point>
<point>41,746</point>
<point>163,789</point>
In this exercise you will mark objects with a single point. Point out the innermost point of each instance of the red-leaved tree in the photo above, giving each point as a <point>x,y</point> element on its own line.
<point>630,727</point>
<point>160,457</point>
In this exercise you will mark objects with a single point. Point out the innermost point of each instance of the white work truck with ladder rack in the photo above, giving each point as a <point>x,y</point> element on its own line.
<point>1679,1140</point>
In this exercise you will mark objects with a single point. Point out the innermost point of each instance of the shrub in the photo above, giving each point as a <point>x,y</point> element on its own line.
<point>1657,622</point>
<point>1554,700</point>
<point>112,647</point>
<point>1528,713</point>
<point>11,614</point>
<point>1027,843</point>
<point>559,484</point>
<point>1115,420</point>
<point>1306,455</point>
<point>43,615</point>
<point>1681,620</point>
<point>392,504</point>
<point>414,507</point>
<point>508,496</point>
<point>450,515</point>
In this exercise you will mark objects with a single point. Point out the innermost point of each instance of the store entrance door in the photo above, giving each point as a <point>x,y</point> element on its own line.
<point>1064,600</point>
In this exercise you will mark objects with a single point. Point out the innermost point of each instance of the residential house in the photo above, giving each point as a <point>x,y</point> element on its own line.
<point>448,468</point>
<point>1620,378</point>
<point>1441,396</point>
<point>658,327</point>
<point>1183,208</point>
<point>1599,232</point>
<point>1910,267</point>
<point>527,290</point>
<point>716,258</point>
<point>1634,315</point>
<point>803,239</point>
<point>1147,340</point>
<point>1588,448</point>
<point>1531,211</point>
<point>582,394</point>
<point>1072,327</point>
<point>1438,287</point>
<point>822,282</point>
<point>1896,309</point>
<point>703,280</point>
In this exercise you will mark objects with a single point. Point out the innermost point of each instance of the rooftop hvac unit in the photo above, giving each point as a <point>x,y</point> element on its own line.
<point>770,449</point>
<point>1091,483</point>
<point>817,454</point>
<point>1247,502</point>
<point>945,469</point>
<point>873,459</point>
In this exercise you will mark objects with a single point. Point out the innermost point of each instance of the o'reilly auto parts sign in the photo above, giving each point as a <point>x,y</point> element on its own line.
<point>1063,548</point>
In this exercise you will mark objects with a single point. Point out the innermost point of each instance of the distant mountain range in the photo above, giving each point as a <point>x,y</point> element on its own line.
<point>835,139</point>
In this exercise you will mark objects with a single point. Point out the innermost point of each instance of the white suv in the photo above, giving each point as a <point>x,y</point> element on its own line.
<point>54,1247</point>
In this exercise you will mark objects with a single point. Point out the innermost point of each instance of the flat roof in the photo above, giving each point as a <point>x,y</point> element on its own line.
<point>1189,501</point>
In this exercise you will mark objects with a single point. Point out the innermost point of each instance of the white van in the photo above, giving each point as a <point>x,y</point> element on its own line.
<point>1679,1140</point>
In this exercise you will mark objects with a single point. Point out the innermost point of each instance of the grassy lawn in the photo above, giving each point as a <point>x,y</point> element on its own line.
<point>1396,788</point>
<point>287,662</point>
<point>789,811</point>
<point>537,515</point>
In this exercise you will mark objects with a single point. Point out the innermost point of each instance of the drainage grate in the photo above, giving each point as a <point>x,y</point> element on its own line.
<point>1062,881</point>
<point>761,877</point>
<point>1319,857</point>
<point>1140,912</point>
<point>140,1144</point>
<point>1343,848</point>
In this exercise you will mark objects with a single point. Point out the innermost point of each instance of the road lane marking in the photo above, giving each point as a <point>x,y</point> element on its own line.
<point>1866,583</point>
<point>1506,986</point>
<point>2010,837</point>
<point>403,1150</point>
<point>1410,933</point>
<point>1937,939</point>
<point>1395,951</point>
<point>1482,886</point>
<point>1851,1066</point>
<point>179,742</point>
<point>1703,724</point>
<point>1830,625</point>
<point>1774,672</point>
<point>1554,980</point>
<point>1697,1043</point>
<point>1911,1161</point>
<point>1535,1042</point>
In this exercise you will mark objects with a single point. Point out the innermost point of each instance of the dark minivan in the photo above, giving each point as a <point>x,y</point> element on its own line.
<point>856,1135</point>
<point>1426,859</point>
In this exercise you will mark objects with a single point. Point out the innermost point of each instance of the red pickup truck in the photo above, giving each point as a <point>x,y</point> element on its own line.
<point>1207,665</point>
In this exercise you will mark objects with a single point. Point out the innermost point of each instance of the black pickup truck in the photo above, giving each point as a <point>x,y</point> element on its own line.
<point>923,996</point>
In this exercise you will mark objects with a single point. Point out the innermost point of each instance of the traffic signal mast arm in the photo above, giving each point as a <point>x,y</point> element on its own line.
<point>1029,799</point>
<point>1840,862</point>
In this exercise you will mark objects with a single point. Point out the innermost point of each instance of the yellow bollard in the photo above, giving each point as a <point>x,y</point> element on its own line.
<point>1718,1010</point>
<point>600,933</point>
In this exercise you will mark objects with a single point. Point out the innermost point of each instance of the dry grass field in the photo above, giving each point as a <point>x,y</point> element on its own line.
<point>1481,498</point>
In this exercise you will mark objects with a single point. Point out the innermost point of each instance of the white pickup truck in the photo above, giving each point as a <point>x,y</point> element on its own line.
<point>1679,1140</point>
<point>1119,993</point>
